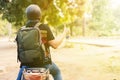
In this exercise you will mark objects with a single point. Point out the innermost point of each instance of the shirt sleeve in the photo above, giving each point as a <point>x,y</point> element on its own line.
<point>50,35</point>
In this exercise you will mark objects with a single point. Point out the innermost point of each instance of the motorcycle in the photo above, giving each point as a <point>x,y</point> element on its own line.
<point>27,73</point>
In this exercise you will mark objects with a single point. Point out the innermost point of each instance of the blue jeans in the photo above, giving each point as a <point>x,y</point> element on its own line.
<point>54,71</point>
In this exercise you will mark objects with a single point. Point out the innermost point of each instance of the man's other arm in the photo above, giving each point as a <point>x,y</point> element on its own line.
<point>58,40</point>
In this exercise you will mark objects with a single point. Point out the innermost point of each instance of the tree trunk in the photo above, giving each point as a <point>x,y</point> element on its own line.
<point>71,31</point>
<point>83,27</point>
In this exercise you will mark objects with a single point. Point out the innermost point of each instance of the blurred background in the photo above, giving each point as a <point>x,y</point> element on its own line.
<point>86,18</point>
<point>91,51</point>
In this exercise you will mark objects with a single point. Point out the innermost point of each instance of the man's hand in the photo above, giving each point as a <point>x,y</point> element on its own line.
<point>58,40</point>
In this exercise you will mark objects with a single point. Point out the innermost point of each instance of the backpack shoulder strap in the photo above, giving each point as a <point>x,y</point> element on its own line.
<point>37,27</point>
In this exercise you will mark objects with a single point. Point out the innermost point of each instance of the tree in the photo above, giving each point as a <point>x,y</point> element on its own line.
<point>53,11</point>
<point>56,13</point>
<point>3,27</point>
<point>102,22</point>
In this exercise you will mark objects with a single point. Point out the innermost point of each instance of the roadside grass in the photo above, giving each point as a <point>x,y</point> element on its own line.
<point>88,62</point>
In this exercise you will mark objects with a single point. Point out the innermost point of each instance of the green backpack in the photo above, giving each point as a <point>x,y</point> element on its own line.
<point>29,45</point>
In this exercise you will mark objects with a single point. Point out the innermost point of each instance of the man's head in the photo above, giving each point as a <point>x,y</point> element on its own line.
<point>33,12</point>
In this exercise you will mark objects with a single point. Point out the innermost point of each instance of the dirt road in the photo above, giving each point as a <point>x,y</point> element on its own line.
<point>79,62</point>
<point>8,61</point>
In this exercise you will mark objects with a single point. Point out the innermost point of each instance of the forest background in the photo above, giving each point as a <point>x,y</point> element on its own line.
<point>86,18</point>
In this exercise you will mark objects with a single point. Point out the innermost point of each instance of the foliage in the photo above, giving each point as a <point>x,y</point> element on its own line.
<point>102,22</point>
<point>116,13</point>
<point>54,12</point>
<point>58,13</point>
<point>3,27</point>
<point>112,65</point>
